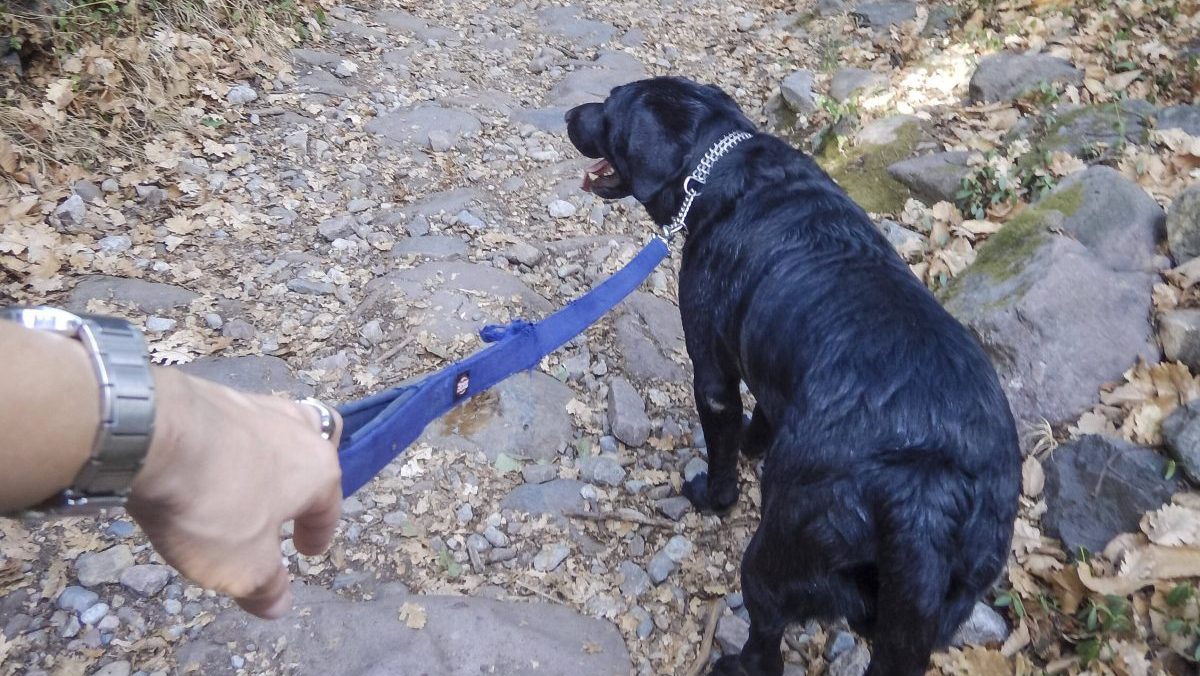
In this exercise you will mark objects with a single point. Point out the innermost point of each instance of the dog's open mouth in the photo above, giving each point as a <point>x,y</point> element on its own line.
<point>601,175</point>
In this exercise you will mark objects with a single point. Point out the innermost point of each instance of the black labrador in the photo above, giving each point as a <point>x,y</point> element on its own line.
<point>891,468</point>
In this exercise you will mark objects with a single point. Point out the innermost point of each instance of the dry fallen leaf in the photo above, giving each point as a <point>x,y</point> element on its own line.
<point>413,616</point>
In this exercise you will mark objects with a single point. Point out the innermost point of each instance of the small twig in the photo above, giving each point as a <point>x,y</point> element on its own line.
<point>396,350</point>
<point>714,614</point>
<point>539,592</point>
<point>267,112</point>
<point>628,517</point>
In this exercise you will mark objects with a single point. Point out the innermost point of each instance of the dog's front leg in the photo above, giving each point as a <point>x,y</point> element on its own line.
<point>720,407</point>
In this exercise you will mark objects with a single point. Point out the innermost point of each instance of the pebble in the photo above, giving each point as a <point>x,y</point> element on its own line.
<point>345,69</point>
<point>601,469</point>
<point>561,209</point>
<point>238,329</point>
<point>745,22</point>
<point>668,559</point>
<point>694,468</point>
<point>77,599</point>
<point>372,332</point>
<point>241,94</point>
<point>551,557</point>
<point>732,633</point>
<point>71,628</point>
<point>838,644</point>
<point>351,506</point>
<point>985,626</point>
<point>495,536</point>
<point>237,661</point>
<point>71,212</point>
<point>634,580</point>
<point>608,444</point>
<point>627,413</point>
<point>213,321</point>
<point>147,580</point>
<point>645,622</point>
<point>172,606</point>
<point>310,287</point>
<point>360,204</point>
<point>395,518</point>
<point>104,567</point>
<point>674,508</point>
<point>464,514</point>
<point>538,474</point>
<point>478,543</point>
<point>470,220</point>
<point>156,324</point>
<point>734,600</point>
<point>94,614</point>
<point>440,141</point>
<point>109,623</point>
<point>115,243</point>
<point>110,185</point>
<point>87,190</point>
<point>851,663</point>
<point>523,253</point>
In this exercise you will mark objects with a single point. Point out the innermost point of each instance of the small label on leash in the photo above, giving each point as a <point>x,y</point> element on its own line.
<point>462,384</point>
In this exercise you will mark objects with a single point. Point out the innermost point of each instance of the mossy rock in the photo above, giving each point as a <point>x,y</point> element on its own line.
<point>862,169</point>
<point>1098,131</point>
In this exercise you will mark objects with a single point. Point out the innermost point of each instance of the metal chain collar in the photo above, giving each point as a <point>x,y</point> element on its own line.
<point>700,176</point>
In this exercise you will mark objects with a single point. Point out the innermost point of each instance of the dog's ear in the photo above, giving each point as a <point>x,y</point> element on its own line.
<point>654,155</point>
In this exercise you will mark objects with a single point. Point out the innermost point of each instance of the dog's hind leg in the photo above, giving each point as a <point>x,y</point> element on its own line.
<point>769,617</point>
<point>756,434</point>
<point>719,404</point>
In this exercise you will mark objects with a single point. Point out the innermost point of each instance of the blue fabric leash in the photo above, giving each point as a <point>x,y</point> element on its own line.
<point>379,428</point>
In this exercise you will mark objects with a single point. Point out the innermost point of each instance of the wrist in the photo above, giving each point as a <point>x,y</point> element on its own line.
<point>174,401</point>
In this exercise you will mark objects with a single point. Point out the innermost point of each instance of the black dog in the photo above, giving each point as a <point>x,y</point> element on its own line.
<point>891,472</point>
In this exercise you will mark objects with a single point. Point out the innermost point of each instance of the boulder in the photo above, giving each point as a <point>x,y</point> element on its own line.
<point>1006,75</point>
<point>444,635</point>
<point>936,177</point>
<point>862,170</point>
<point>852,82</point>
<point>1179,334</point>
<point>1098,488</point>
<point>1183,224</point>
<point>1181,433</point>
<point>1097,131</point>
<point>1062,314</point>
<point>1184,117</point>
<point>649,333</point>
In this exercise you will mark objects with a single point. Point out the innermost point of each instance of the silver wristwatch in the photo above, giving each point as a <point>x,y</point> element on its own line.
<point>122,367</point>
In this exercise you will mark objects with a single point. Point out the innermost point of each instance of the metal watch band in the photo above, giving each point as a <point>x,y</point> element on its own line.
<point>122,366</point>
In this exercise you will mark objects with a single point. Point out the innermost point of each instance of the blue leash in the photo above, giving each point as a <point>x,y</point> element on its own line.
<point>379,428</point>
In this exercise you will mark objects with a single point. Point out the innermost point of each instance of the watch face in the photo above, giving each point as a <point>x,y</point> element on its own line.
<point>43,318</point>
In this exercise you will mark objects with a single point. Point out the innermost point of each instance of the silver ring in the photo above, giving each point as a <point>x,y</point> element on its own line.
<point>325,412</point>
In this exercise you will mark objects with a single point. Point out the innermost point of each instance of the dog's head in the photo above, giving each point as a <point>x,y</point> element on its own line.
<point>649,135</point>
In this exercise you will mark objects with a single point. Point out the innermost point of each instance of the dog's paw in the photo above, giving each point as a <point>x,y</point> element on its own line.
<point>728,665</point>
<point>754,438</point>
<point>696,491</point>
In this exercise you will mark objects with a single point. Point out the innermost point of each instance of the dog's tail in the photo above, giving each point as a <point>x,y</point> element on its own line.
<point>943,540</point>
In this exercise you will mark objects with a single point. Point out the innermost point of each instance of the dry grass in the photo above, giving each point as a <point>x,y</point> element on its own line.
<point>103,77</point>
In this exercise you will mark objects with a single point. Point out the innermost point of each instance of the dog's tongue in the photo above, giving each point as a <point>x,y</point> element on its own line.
<point>596,170</point>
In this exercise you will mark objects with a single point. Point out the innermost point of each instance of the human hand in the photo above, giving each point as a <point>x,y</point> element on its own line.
<point>225,470</point>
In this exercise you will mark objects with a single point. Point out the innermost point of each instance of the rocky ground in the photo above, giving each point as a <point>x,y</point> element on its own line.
<point>362,210</point>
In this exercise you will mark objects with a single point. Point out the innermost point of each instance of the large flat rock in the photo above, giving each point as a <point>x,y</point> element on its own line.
<point>259,374</point>
<point>411,128</point>
<point>145,296</point>
<point>649,332</point>
<point>462,636</point>
<point>1007,75</point>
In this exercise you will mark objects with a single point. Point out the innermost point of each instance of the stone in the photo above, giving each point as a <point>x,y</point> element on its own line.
<point>71,212</point>
<point>440,141</point>
<point>372,332</point>
<point>346,68</point>
<point>411,128</point>
<point>120,668</point>
<point>634,580</point>
<point>469,219</point>
<point>602,470</point>
<point>746,22</point>
<point>172,606</point>
<point>464,514</point>
<point>87,190</point>
<point>674,508</point>
<point>855,82</point>
<point>238,329</point>
<point>678,548</point>
<point>1097,131</point>
<point>538,473</point>
<point>1007,75</point>
<point>495,537</point>
<point>76,599</point>
<point>115,243</point>
<point>1098,487</point>
<point>551,557</point>
<point>524,254</point>
<point>840,642</point>
<point>570,23</point>
<point>561,209</point>
<point>985,627</point>
<point>649,332</point>
<point>297,140</point>
<point>147,579</point>
<point>1181,433</point>
<point>104,567</point>
<point>936,177</point>
<point>1184,117</point>
<point>553,497</point>
<point>352,506</point>
<point>882,15</point>
<point>93,615</point>
<point>406,23</point>
<point>861,170</point>
<point>156,324</point>
<point>1183,224</point>
<point>797,92</point>
<point>259,374</point>
<point>660,568</point>
<point>1062,314</point>
<point>906,242</point>
<point>523,417</point>
<point>853,662</point>
<point>431,247</point>
<point>148,297</point>
<point>694,468</point>
<point>152,195</point>
<point>645,625</point>
<point>71,628</point>
<point>627,413</point>
<point>732,633</point>
<point>1179,334</point>
<point>309,287</point>
<point>360,204</point>
<point>485,636</point>
<point>241,94</point>
<point>594,81</point>
<point>474,291</point>
<point>338,226</point>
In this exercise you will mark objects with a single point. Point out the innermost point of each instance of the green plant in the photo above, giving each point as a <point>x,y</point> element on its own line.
<point>1008,599</point>
<point>1179,623</point>
<point>986,187</point>
<point>1101,620</point>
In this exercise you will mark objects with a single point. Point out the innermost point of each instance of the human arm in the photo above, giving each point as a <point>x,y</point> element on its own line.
<point>224,470</point>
